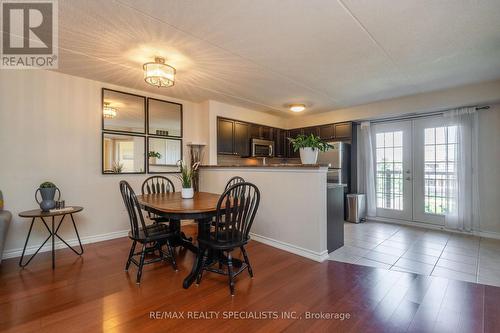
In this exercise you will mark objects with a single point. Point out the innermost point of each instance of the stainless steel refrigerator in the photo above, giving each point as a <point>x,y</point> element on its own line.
<point>338,160</point>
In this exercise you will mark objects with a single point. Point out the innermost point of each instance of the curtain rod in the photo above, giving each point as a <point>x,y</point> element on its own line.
<point>413,116</point>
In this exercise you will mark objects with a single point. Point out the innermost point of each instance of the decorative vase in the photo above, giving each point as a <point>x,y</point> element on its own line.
<point>152,160</point>
<point>48,201</point>
<point>308,155</point>
<point>187,193</point>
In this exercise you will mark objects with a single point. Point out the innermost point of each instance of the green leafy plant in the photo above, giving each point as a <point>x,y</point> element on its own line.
<point>309,141</point>
<point>154,154</point>
<point>187,173</point>
<point>47,185</point>
<point>117,167</point>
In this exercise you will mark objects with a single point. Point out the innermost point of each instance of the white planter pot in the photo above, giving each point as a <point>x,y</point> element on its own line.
<point>187,193</point>
<point>152,160</point>
<point>308,155</point>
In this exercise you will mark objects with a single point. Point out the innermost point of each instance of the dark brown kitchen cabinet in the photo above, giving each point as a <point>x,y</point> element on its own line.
<point>225,136</point>
<point>266,133</point>
<point>343,130</point>
<point>241,139</point>
<point>293,134</point>
<point>255,131</point>
<point>311,130</point>
<point>326,132</point>
<point>279,138</point>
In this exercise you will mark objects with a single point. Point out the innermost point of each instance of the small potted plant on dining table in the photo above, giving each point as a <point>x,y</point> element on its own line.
<point>309,146</point>
<point>187,173</point>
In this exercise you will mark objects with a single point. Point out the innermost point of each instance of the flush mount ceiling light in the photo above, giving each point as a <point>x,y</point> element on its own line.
<point>297,107</point>
<point>108,112</point>
<point>158,73</point>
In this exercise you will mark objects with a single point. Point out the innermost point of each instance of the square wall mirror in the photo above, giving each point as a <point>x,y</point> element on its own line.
<point>123,112</point>
<point>123,153</point>
<point>163,154</point>
<point>165,118</point>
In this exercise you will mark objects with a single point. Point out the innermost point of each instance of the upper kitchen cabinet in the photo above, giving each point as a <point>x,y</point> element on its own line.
<point>233,137</point>
<point>266,132</point>
<point>225,136</point>
<point>279,138</point>
<point>261,132</point>
<point>311,130</point>
<point>255,131</point>
<point>292,134</point>
<point>343,131</point>
<point>326,132</point>
<point>241,139</point>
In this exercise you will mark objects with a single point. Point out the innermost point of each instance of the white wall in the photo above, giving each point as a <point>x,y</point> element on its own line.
<point>50,129</point>
<point>292,216</point>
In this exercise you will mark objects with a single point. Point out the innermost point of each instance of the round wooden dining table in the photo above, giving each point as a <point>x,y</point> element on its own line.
<point>202,208</point>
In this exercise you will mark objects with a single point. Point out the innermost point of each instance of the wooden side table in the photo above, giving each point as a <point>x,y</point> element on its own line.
<point>38,213</point>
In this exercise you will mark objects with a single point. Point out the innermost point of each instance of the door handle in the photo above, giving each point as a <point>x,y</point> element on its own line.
<point>408,178</point>
<point>408,171</point>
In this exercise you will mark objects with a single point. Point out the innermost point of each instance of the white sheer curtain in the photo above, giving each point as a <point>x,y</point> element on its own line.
<point>463,213</point>
<point>367,174</point>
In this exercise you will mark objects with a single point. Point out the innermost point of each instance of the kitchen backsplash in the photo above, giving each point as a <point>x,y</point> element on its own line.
<point>235,160</point>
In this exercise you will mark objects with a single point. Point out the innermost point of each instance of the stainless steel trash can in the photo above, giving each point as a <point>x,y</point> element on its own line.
<point>356,208</point>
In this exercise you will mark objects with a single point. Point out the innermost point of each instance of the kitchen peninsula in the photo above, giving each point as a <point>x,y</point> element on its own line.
<point>293,211</point>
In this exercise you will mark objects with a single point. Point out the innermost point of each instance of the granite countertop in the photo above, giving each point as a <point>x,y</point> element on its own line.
<point>306,166</point>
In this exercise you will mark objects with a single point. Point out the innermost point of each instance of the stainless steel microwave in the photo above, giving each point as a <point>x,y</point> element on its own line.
<point>262,148</point>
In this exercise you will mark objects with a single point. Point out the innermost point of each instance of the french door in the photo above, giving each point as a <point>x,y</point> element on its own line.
<point>393,169</point>
<point>415,169</point>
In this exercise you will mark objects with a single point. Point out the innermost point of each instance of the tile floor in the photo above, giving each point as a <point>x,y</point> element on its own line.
<point>421,251</point>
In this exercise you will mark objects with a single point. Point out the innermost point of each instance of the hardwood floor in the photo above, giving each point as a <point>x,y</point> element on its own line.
<point>94,294</point>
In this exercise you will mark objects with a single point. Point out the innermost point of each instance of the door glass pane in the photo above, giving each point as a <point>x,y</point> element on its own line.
<point>389,187</point>
<point>439,169</point>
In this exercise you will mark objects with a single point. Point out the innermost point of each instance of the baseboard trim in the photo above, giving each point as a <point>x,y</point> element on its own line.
<point>313,255</point>
<point>13,253</point>
<point>485,234</point>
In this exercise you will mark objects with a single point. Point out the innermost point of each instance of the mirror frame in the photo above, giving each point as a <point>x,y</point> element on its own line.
<point>163,138</point>
<point>145,105</point>
<point>147,119</point>
<point>124,134</point>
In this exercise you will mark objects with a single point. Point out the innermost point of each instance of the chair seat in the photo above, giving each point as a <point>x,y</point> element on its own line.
<point>156,232</point>
<point>219,244</point>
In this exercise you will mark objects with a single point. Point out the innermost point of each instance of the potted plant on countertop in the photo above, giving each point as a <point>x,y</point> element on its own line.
<point>186,176</point>
<point>309,146</point>
<point>153,155</point>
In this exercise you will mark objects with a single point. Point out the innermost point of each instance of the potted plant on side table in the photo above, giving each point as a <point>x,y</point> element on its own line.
<point>309,146</point>
<point>186,176</point>
<point>47,192</point>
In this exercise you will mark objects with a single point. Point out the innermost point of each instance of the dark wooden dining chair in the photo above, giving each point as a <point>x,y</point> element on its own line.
<point>233,181</point>
<point>157,185</point>
<point>236,211</point>
<point>152,237</point>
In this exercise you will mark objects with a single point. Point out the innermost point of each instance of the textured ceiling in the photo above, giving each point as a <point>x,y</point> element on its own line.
<point>265,54</point>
